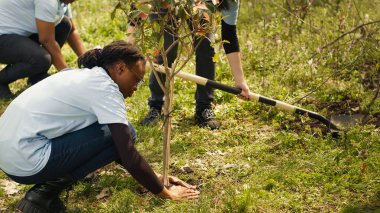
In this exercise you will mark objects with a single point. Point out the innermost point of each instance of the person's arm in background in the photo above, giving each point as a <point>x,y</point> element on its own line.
<point>46,36</point>
<point>232,49</point>
<point>136,165</point>
<point>132,22</point>
<point>131,29</point>
<point>75,41</point>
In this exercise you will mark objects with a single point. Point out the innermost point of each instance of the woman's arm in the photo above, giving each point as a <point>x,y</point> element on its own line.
<point>140,169</point>
<point>230,12</point>
<point>46,36</point>
<point>232,49</point>
<point>131,30</point>
<point>234,59</point>
<point>132,161</point>
<point>75,41</point>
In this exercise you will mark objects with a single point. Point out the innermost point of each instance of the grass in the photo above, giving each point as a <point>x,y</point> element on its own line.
<point>262,159</point>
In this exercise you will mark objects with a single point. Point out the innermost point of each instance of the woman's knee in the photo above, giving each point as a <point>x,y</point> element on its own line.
<point>65,26</point>
<point>62,30</point>
<point>41,62</point>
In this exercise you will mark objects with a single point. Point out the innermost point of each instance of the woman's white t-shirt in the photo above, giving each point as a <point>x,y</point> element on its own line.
<point>19,16</point>
<point>62,103</point>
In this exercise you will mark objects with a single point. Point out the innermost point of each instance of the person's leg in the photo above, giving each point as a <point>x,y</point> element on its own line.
<point>44,197</point>
<point>156,99</point>
<point>204,96</point>
<point>23,57</point>
<point>77,154</point>
<point>72,157</point>
<point>205,67</point>
<point>62,31</point>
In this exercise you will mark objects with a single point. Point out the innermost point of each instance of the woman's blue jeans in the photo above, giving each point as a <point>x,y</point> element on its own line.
<point>77,154</point>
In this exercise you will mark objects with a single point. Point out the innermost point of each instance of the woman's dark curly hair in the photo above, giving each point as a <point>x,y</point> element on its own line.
<point>113,52</point>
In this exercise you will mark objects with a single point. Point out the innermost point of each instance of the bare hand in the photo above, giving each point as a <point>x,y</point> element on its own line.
<point>182,193</point>
<point>177,182</point>
<point>179,191</point>
<point>244,90</point>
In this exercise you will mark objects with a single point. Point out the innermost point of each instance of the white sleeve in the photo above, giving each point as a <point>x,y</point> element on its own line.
<point>109,107</point>
<point>68,12</point>
<point>46,10</point>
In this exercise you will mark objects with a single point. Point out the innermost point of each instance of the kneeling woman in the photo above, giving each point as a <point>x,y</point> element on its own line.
<point>72,123</point>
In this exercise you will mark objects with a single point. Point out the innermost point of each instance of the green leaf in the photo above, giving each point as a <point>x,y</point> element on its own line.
<point>113,13</point>
<point>156,36</point>
<point>145,8</point>
<point>216,57</point>
<point>211,7</point>
<point>161,42</point>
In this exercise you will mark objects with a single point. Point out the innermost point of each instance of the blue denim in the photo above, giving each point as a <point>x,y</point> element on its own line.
<point>77,154</point>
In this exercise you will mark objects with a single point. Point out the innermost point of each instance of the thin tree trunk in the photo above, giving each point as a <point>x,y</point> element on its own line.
<point>168,108</point>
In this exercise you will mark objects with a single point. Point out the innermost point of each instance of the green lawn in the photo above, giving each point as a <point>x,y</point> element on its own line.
<point>262,159</point>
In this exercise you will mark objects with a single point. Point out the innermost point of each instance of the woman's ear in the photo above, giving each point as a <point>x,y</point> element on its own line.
<point>119,67</point>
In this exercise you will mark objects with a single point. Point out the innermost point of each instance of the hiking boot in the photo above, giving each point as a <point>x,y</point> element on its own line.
<point>206,118</point>
<point>5,92</point>
<point>153,116</point>
<point>44,198</point>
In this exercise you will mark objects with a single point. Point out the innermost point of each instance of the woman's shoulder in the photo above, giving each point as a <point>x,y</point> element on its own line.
<point>98,78</point>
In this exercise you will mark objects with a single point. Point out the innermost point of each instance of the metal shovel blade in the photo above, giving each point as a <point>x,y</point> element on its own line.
<point>348,121</point>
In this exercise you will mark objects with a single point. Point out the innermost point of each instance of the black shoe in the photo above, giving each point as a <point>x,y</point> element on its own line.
<point>44,198</point>
<point>206,118</point>
<point>153,116</point>
<point>5,92</point>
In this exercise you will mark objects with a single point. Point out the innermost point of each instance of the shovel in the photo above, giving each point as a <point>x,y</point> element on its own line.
<point>265,100</point>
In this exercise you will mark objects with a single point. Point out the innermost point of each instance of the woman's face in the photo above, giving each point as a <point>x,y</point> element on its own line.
<point>128,79</point>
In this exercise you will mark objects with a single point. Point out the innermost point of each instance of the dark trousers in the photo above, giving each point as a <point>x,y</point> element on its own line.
<point>77,154</point>
<point>205,67</point>
<point>25,57</point>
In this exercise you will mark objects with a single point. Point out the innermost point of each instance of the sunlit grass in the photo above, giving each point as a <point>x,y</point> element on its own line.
<point>261,160</point>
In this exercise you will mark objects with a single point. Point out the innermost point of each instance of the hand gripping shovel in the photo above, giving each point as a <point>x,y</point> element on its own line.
<point>254,97</point>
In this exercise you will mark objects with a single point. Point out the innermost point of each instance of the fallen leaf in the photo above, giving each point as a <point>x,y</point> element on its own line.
<point>229,165</point>
<point>187,169</point>
<point>355,109</point>
<point>91,177</point>
<point>220,152</point>
<point>364,168</point>
<point>106,192</point>
<point>363,154</point>
<point>10,187</point>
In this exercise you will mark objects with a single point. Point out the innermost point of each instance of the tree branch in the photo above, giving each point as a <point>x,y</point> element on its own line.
<point>344,34</point>
<point>323,82</point>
